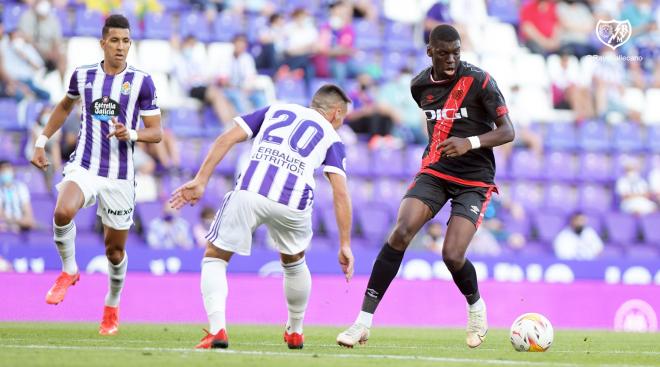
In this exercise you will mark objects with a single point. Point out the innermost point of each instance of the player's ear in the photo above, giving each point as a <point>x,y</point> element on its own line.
<point>428,51</point>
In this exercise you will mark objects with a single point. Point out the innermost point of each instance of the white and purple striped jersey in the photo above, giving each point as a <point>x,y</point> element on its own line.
<point>126,96</point>
<point>290,142</point>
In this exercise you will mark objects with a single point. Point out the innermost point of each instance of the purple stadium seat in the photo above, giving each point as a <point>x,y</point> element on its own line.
<point>561,198</point>
<point>619,161</point>
<point>651,229</point>
<point>8,114</point>
<point>621,228</point>
<point>185,122</point>
<point>367,35</point>
<point>253,25</point>
<point>9,149</point>
<point>43,209</point>
<point>87,23</point>
<point>535,249</point>
<point>595,167</point>
<point>548,226</point>
<point>137,32</point>
<point>595,198</point>
<point>358,160</point>
<point>594,137</point>
<point>226,26</point>
<point>85,219</point>
<point>513,225</point>
<point>413,160</point>
<point>173,4</point>
<point>560,136</point>
<point>529,195</point>
<point>393,62</point>
<point>641,252</point>
<point>194,23</point>
<point>389,191</point>
<point>148,212</point>
<point>560,166</point>
<point>387,162</point>
<point>526,165</point>
<point>398,36</point>
<point>291,90</point>
<point>66,22</point>
<point>502,164</point>
<point>92,239</point>
<point>611,252</point>
<point>11,16</point>
<point>375,222</point>
<point>158,26</point>
<point>34,179</point>
<point>504,10</point>
<point>9,239</point>
<point>653,138</point>
<point>628,137</point>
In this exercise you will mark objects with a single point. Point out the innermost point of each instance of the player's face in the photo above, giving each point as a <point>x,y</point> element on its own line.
<point>445,56</point>
<point>116,45</point>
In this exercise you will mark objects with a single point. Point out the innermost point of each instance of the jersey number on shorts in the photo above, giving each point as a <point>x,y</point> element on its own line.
<point>306,135</point>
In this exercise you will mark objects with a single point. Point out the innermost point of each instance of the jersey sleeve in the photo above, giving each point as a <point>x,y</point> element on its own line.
<point>492,98</point>
<point>147,100</point>
<point>335,159</point>
<point>73,91</point>
<point>251,123</point>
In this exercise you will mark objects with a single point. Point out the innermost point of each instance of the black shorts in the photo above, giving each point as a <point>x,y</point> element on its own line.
<point>466,201</point>
<point>198,93</point>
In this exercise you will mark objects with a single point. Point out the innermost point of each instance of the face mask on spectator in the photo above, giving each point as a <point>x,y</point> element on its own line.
<point>42,8</point>
<point>6,177</point>
<point>578,229</point>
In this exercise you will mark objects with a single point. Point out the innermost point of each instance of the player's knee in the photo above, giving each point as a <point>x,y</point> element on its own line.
<point>115,254</point>
<point>63,215</point>
<point>401,237</point>
<point>453,258</point>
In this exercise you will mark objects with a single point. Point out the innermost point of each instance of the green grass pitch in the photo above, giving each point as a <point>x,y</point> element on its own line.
<point>59,344</point>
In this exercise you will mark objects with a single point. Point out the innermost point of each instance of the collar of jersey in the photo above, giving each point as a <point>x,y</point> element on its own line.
<point>120,73</point>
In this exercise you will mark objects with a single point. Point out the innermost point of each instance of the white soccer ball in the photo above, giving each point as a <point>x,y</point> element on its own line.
<point>531,332</point>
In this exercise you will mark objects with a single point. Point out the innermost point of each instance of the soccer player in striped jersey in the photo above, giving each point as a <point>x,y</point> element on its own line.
<point>113,96</point>
<point>276,189</point>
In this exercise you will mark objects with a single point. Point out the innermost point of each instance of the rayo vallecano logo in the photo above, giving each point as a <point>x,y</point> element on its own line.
<point>613,33</point>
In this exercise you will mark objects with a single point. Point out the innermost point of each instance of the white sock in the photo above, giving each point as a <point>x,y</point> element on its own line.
<point>297,287</point>
<point>365,318</point>
<point>477,306</point>
<point>116,277</point>
<point>65,237</point>
<point>214,291</point>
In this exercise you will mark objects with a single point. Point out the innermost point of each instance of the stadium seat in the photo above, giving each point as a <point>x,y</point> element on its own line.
<point>75,58</point>
<point>166,97</point>
<point>8,114</point>
<point>158,26</point>
<point>291,91</point>
<point>653,138</point>
<point>88,23</point>
<point>526,165</point>
<point>531,70</point>
<point>185,122</point>
<point>156,56</point>
<point>620,161</point>
<point>43,209</point>
<point>226,26</point>
<point>594,136</point>
<point>375,222</point>
<point>611,252</point>
<point>399,37</point>
<point>504,10</point>
<point>387,163</point>
<point>651,113</point>
<point>633,99</point>
<point>34,179</point>
<point>67,22</point>
<point>194,23</point>
<point>497,39</point>
<point>628,137</point>
<point>393,63</point>
<point>560,198</point>
<point>414,154</point>
<point>527,194</point>
<point>595,198</point>
<point>560,166</point>
<point>137,32</point>
<point>548,226</point>
<point>367,35</point>
<point>560,136</point>
<point>148,211</point>
<point>11,15</point>
<point>621,228</point>
<point>219,56</point>
<point>499,67</point>
<point>650,229</point>
<point>358,160</point>
<point>641,252</point>
<point>595,167</point>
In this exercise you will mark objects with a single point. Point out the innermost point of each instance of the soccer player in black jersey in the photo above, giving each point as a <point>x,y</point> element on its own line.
<point>466,118</point>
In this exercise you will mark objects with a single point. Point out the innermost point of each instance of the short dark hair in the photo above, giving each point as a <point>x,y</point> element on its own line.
<point>445,33</point>
<point>328,95</point>
<point>115,21</point>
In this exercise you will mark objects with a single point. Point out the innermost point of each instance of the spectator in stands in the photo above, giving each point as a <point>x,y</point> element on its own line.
<point>642,19</point>
<point>578,241</point>
<point>567,92</point>
<point>522,121</point>
<point>300,43</point>
<point>7,83</point>
<point>53,146</point>
<point>539,26</point>
<point>166,153</point>
<point>169,231</point>
<point>369,117</point>
<point>434,237</point>
<point>437,14</point>
<point>15,208</point>
<point>654,179</point>
<point>190,72</point>
<point>201,228</point>
<point>396,93</point>
<point>363,9</point>
<point>609,84</point>
<point>271,40</point>
<point>577,25</point>
<point>633,191</point>
<point>41,28</point>
<point>336,41</point>
<point>145,181</point>
<point>24,62</point>
<point>137,7</point>
<point>484,243</point>
<point>240,86</point>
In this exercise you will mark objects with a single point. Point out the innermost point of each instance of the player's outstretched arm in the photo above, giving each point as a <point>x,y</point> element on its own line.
<point>455,146</point>
<point>192,191</point>
<point>343,214</point>
<point>55,122</point>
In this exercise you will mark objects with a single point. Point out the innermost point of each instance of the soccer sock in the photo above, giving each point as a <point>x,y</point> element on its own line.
<point>466,280</point>
<point>385,268</point>
<point>65,237</point>
<point>116,277</point>
<point>214,291</point>
<point>297,287</point>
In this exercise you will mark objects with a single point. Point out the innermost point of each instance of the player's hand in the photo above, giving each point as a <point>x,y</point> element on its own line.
<point>188,193</point>
<point>346,261</point>
<point>39,159</point>
<point>120,130</point>
<point>454,147</point>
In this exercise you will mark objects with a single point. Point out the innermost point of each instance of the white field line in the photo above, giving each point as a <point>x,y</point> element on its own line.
<point>300,354</point>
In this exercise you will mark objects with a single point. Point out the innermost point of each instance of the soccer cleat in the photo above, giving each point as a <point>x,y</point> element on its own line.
<point>294,340</point>
<point>477,327</point>
<point>211,341</point>
<point>355,334</point>
<point>57,292</point>
<point>110,322</point>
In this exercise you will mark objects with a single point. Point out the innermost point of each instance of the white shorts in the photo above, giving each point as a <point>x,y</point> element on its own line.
<point>116,197</point>
<point>243,211</point>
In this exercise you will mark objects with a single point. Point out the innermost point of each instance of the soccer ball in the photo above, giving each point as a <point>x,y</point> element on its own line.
<point>531,332</point>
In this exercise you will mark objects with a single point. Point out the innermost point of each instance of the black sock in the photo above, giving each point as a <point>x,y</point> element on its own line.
<point>466,280</point>
<point>385,268</point>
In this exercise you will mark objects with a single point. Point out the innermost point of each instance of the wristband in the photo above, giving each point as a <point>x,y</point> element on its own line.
<point>41,141</point>
<point>132,134</point>
<point>475,142</point>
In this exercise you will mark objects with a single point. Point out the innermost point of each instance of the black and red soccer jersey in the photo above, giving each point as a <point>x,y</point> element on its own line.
<point>463,106</point>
